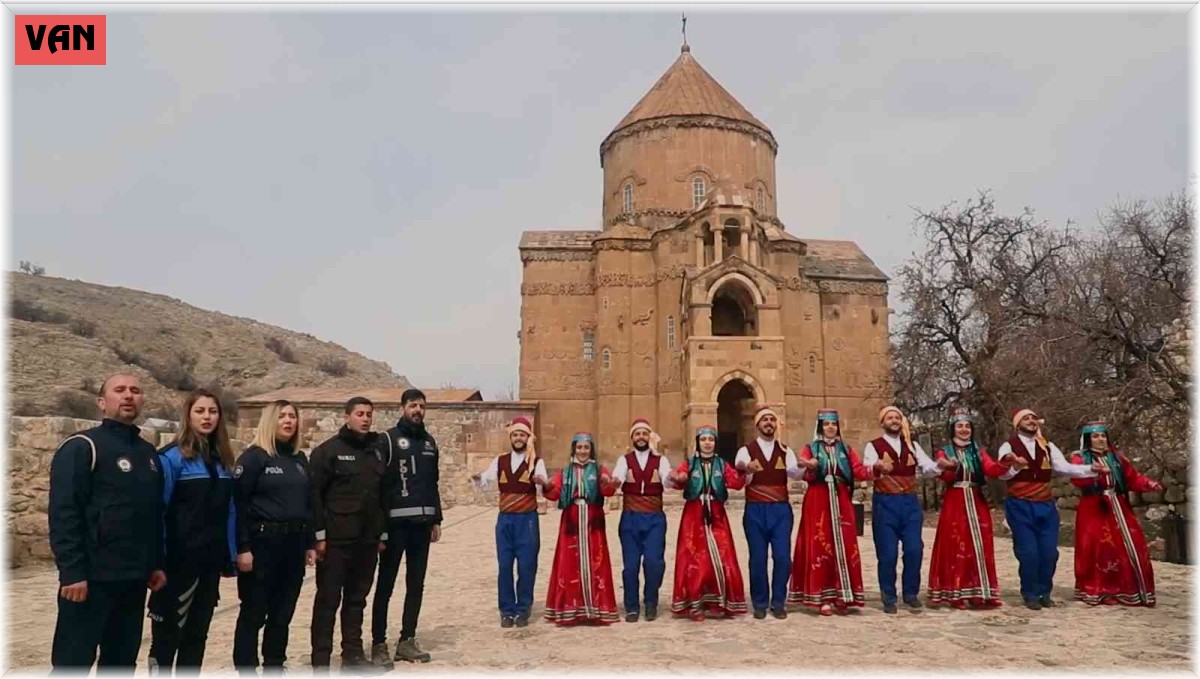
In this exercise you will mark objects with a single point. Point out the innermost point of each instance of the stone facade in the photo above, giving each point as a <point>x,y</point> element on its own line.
<point>694,304</point>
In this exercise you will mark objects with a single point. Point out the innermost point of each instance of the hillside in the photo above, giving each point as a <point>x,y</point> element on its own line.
<point>65,336</point>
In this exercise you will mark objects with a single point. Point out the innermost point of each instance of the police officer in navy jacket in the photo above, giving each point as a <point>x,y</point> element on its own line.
<point>106,531</point>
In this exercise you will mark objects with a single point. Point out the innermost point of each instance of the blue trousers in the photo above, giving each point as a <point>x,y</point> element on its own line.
<point>769,524</point>
<point>896,520</point>
<point>517,540</point>
<point>1035,542</point>
<point>643,543</point>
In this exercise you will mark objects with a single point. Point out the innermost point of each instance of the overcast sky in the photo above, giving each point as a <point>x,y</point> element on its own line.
<point>364,176</point>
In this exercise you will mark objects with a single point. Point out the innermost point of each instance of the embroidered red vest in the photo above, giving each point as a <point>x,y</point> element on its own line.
<point>903,477</point>
<point>518,494</point>
<point>770,484</point>
<point>643,492</point>
<point>1033,482</point>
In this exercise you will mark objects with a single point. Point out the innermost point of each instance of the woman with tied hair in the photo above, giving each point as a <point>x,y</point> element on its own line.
<point>962,568</point>
<point>199,519</point>
<point>581,581</point>
<point>275,536</point>
<point>1112,563</point>
<point>708,579</point>
<point>827,567</point>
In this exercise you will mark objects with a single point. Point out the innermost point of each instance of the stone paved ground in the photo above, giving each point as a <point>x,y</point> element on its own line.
<point>459,624</point>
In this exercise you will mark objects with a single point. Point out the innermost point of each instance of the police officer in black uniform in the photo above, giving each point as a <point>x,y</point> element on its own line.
<point>106,531</point>
<point>275,537</point>
<point>347,474</point>
<point>414,521</point>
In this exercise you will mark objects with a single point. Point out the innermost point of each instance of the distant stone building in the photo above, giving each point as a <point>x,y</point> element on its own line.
<point>693,304</point>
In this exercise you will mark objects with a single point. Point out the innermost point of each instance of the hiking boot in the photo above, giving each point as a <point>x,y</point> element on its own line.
<point>1047,602</point>
<point>890,608</point>
<point>408,651</point>
<point>1033,605</point>
<point>760,613</point>
<point>506,621</point>
<point>522,621</point>
<point>779,613</point>
<point>651,613</point>
<point>913,602</point>
<point>380,656</point>
<point>631,617</point>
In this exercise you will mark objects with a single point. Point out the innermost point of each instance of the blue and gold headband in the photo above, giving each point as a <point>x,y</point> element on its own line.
<point>827,416</point>
<point>706,430</point>
<point>1095,429</point>
<point>581,438</point>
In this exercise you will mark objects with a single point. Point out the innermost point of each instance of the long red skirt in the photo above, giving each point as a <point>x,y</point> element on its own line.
<point>1112,563</point>
<point>581,583</point>
<point>707,575</point>
<point>826,567</point>
<point>962,570</point>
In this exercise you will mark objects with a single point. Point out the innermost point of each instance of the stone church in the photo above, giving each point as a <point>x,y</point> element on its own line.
<point>693,303</point>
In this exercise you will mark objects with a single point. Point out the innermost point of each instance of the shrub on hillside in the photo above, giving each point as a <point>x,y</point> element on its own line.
<point>76,404</point>
<point>282,349</point>
<point>83,327</point>
<point>331,365</point>
<point>29,311</point>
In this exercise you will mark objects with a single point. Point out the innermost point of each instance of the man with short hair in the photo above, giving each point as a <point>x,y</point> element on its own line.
<point>106,532</point>
<point>414,521</point>
<point>347,474</point>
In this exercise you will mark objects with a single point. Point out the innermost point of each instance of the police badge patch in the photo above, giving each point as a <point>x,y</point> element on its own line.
<point>124,464</point>
<point>403,443</point>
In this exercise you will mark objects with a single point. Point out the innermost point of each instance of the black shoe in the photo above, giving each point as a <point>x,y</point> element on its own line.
<point>1047,602</point>
<point>651,613</point>
<point>506,621</point>
<point>913,602</point>
<point>890,608</point>
<point>631,617</point>
<point>1033,605</point>
<point>779,613</point>
<point>522,621</point>
<point>760,613</point>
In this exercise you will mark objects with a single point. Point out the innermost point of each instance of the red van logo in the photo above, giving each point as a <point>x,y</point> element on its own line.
<point>60,40</point>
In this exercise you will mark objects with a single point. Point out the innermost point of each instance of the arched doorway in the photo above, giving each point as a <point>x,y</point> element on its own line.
<point>735,413</point>
<point>734,313</point>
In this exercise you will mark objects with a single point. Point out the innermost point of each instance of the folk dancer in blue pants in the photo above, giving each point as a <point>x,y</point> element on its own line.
<point>768,518</point>
<point>517,473</point>
<point>643,528</point>
<point>896,515</point>
<point>1030,509</point>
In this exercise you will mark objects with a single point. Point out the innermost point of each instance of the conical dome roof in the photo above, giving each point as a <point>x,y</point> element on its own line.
<point>686,89</point>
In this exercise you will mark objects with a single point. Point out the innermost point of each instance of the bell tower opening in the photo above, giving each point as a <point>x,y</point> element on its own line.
<point>734,313</point>
<point>735,418</point>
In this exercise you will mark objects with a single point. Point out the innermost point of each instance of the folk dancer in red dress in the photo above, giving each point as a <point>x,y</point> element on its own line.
<point>708,579</point>
<point>962,569</point>
<point>581,582</point>
<point>1029,507</point>
<point>896,515</point>
<point>827,568</point>
<point>1112,564</point>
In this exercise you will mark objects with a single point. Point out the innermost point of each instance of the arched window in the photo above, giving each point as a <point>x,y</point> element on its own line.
<point>628,198</point>
<point>589,346</point>
<point>605,358</point>
<point>671,333</point>
<point>760,200</point>
<point>697,192</point>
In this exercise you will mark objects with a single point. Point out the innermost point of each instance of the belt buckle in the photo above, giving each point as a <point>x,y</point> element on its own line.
<point>829,478</point>
<point>1109,492</point>
<point>963,484</point>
